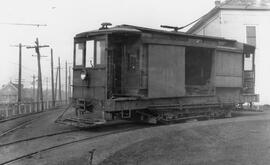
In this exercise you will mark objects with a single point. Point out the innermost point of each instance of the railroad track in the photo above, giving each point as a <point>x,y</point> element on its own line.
<point>37,137</point>
<point>18,126</point>
<point>29,114</point>
<point>27,119</point>
<point>27,155</point>
<point>18,117</point>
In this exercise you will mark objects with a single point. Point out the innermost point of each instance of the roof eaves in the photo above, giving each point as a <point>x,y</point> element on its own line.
<point>244,8</point>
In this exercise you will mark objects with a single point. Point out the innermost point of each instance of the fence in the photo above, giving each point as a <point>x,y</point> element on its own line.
<point>13,109</point>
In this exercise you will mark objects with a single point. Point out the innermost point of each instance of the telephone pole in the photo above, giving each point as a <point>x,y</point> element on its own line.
<point>59,70</point>
<point>66,84</point>
<point>38,94</point>
<point>19,99</point>
<point>34,87</point>
<point>36,47</point>
<point>56,79</point>
<point>20,75</point>
<point>69,90</point>
<point>47,84</point>
<point>53,98</point>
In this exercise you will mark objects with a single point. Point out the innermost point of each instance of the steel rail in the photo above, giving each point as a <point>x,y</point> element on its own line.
<point>18,117</point>
<point>37,137</point>
<point>29,114</point>
<point>68,143</point>
<point>18,126</point>
<point>23,123</point>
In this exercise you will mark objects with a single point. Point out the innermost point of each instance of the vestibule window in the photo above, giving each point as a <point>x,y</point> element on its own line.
<point>79,48</point>
<point>89,59</point>
<point>248,62</point>
<point>100,52</point>
<point>90,53</point>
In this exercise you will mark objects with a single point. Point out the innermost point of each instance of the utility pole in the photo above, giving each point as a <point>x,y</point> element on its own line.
<point>39,71</point>
<point>19,99</point>
<point>34,86</point>
<point>66,84</point>
<point>56,79</point>
<point>53,98</point>
<point>59,70</point>
<point>47,83</point>
<point>38,94</point>
<point>69,90</point>
<point>20,75</point>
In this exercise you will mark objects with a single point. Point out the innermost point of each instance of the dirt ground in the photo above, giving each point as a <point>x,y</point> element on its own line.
<point>244,139</point>
<point>246,142</point>
<point>43,125</point>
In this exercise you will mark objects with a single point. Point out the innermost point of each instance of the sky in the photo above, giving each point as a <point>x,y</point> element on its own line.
<point>66,18</point>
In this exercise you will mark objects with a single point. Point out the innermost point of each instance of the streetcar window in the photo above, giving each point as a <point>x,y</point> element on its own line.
<point>79,47</point>
<point>132,62</point>
<point>100,52</point>
<point>89,54</point>
<point>248,61</point>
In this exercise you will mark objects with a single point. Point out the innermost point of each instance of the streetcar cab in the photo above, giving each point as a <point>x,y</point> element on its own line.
<point>99,70</point>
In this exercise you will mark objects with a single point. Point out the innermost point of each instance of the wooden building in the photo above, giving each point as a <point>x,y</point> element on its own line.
<point>9,93</point>
<point>246,21</point>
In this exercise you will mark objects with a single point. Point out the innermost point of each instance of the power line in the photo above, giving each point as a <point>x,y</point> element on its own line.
<point>25,67</point>
<point>22,24</point>
<point>25,72</point>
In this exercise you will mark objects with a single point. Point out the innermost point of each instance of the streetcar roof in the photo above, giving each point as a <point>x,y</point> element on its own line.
<point>139,30</point>
<point>108,31</point>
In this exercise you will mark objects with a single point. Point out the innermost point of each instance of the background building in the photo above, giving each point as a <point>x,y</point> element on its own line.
<point>9,93</point>
<point>246,21</point>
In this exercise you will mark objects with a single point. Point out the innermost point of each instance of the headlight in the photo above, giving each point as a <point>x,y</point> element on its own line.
<point>83,75</point>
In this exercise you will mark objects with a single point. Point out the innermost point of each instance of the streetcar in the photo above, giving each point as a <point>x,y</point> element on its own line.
<point>136,73</point>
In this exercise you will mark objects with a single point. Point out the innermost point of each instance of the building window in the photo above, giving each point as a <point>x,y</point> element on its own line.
<point>251,35</point>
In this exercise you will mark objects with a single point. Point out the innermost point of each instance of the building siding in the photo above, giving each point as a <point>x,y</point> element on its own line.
<point>232,25</point>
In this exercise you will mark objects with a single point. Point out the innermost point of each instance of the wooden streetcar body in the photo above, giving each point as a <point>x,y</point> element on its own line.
<point>137,73</point>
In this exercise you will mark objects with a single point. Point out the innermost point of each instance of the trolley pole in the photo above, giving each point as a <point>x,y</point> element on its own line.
<point>37,47</point>
<point>53,96</point>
